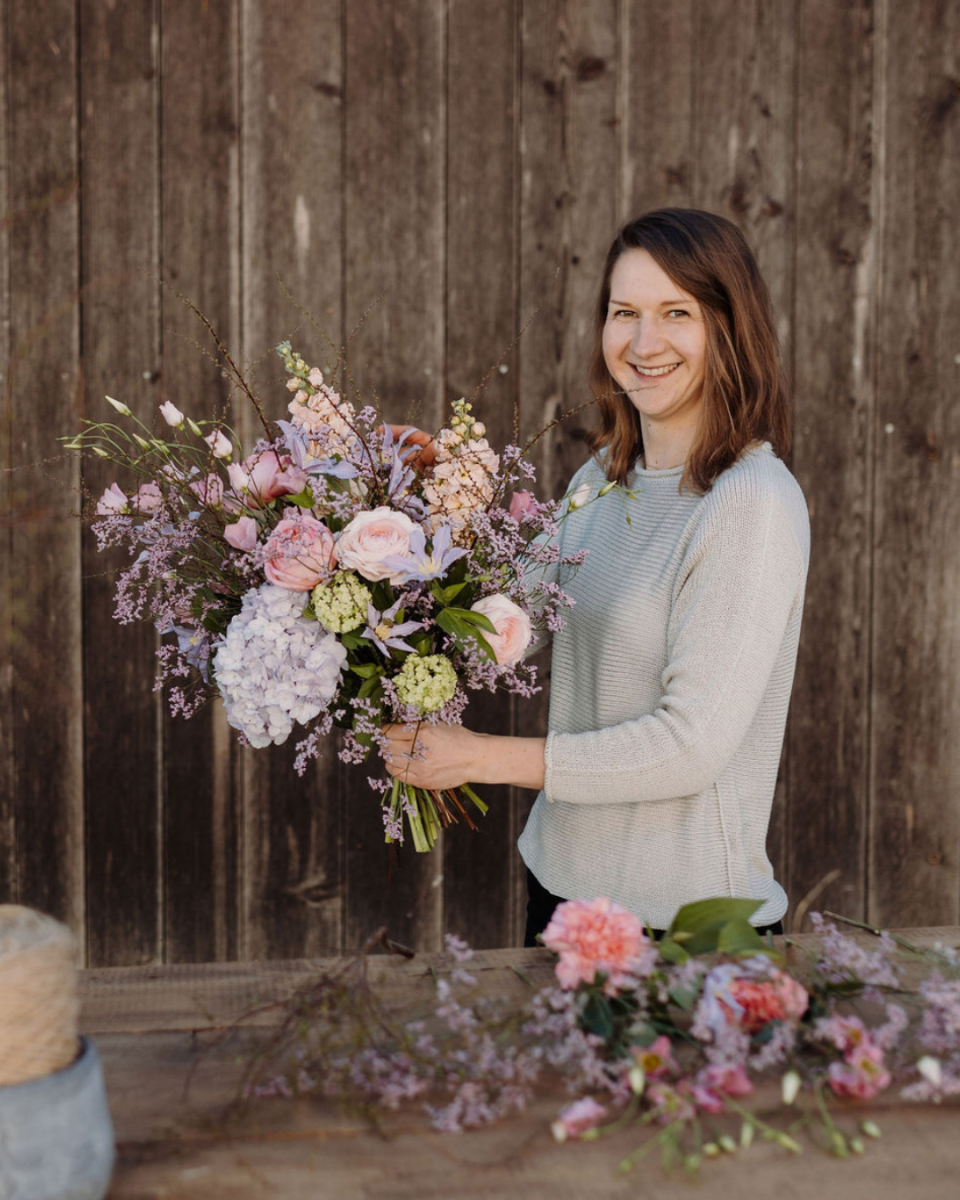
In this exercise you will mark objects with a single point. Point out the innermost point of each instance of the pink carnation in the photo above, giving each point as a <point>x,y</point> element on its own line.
<point>779,998</point>
<point>596,936</point>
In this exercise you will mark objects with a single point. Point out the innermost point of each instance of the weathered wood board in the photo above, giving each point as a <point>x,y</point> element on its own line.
<point>435,173</point>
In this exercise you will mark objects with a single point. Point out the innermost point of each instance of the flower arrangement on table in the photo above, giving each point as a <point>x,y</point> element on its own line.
<point>673,1038</point>
<point>327,579</point>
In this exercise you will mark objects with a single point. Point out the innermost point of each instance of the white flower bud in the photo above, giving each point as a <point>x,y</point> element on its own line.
<point>931,1070</point>
<point>790,1086</point>
<point>119,406</point>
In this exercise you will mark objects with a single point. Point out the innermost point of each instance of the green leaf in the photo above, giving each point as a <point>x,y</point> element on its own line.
<point>671,952</point>
<point>451,593</point>
<point>302,499</point>
<point>739,937</point>
<point>371,689</point>
<point>366,670</point>
<point>449,619</point>
<point>597,1016</point>
<point>474,618</point>
<point>684,998</point>
<point>353,640</point>
<point>309,613</point>
<point>698,925</point>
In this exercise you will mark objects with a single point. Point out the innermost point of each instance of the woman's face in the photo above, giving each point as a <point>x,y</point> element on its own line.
<point>655,342</point>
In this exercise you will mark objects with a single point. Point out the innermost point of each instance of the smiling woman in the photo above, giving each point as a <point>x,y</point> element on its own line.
<point>672,675</point>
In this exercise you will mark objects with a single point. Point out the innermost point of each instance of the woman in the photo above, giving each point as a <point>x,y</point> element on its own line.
<point>672,676</point>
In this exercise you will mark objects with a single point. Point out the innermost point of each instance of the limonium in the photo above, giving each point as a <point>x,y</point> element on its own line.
<point>341,605</point>
<point>427,683</point>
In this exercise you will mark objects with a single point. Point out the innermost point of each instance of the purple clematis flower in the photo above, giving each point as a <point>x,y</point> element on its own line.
<point>297,444</point>
<point>418,564</point>
<point>385,633</point>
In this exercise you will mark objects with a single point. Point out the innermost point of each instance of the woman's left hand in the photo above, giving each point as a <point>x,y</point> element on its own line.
<point>445,755</point>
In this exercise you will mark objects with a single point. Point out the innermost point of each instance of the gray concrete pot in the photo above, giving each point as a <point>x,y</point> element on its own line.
<point>56,1139</point>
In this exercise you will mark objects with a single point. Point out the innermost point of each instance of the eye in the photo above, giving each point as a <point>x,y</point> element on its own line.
<point>624,312</point>
<point>678,312</point>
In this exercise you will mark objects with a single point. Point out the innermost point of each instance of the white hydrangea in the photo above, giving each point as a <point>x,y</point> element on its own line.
<point>274,667</point>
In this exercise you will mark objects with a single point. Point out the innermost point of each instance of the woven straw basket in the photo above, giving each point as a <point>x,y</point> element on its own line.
<point>56,1139</point>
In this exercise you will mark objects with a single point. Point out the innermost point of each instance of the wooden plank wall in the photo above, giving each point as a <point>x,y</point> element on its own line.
<point>439,172</point>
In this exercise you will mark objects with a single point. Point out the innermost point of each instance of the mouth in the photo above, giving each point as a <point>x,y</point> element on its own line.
<point>654,372</point>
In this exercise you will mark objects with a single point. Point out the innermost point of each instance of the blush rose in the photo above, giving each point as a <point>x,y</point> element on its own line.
<point>514,630</point>
<point>372,537</point>
<point>299,553</point>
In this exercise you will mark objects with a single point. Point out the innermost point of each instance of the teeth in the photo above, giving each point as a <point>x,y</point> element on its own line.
<point>655,370</point>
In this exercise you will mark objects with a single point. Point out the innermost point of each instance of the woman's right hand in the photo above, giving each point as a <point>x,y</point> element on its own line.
<point>426,453</point>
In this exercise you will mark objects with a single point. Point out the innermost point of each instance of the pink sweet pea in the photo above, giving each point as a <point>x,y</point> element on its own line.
<point>148,498</point>
<point>298,554</point>
<point>861,1075</point>
<point>574,1120</point>
<point>112,502</point>
<point>522,503</point>
<point>209,491</point>
<point>242,534</point>
<point>266,476</point>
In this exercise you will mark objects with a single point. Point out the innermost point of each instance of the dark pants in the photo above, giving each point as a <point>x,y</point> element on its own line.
<point>541,903</point>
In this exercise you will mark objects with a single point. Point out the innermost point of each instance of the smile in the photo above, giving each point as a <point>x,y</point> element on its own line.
<point>654,372</point>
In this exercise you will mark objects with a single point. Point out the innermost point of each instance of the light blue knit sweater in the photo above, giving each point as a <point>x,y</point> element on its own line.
<point>669,691</point>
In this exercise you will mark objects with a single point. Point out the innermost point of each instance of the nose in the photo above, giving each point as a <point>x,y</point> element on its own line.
<point>647,339</point>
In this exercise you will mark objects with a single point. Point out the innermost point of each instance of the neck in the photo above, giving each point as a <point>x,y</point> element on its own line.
<point>666,447</point>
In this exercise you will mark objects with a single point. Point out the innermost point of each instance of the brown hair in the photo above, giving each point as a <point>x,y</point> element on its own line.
<point>745,395</point>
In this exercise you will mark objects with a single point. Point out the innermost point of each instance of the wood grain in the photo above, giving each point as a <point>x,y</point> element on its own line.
<point>395,203</point>
<point>835,389</point>
<point>41,400</point>
<point>915,702</point>
<point>292,242</point>
<point>659,73</point>
<point>121,353</point>
<point>481,325</point>
<point>200,215</point>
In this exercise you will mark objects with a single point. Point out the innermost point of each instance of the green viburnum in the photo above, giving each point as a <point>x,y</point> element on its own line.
<point>426,683</point>
<point>341,606</point>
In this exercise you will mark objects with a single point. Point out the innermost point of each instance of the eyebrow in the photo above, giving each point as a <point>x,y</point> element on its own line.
<point>664,304</point>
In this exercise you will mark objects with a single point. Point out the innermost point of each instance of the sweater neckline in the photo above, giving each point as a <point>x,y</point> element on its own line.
<point>653,473</point>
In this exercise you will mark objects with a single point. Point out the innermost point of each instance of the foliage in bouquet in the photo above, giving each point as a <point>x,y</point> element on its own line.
<point>684,1046</point>
<point>327,578</point>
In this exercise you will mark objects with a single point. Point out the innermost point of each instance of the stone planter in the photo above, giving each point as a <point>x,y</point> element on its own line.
<point>56,1139</point>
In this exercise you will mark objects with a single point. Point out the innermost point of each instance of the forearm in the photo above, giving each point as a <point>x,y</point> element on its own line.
<point>511,760</point>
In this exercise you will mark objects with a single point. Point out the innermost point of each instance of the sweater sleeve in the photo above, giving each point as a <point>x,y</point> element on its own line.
<point>740,583</point>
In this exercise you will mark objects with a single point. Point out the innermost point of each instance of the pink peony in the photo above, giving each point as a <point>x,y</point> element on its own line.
<point>242,534</point>
<point>522,503</point>
<point>596,935</point>
<point>112,502</point>
<point>514,630</point>
<point>299,552</point>
<point>266,476</point>
<point>574,1120</point>
<point>861,1075</point>
<point>372,537</point>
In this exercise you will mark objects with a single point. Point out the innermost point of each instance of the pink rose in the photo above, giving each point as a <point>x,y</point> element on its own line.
<point>370,538</point>
<point>148,498</point>
<point>266,476</point>
<point>242,534</point>
<point>298,553</point>
<point>112,502</point>
<point>522,503</point>
<point>514,630</point>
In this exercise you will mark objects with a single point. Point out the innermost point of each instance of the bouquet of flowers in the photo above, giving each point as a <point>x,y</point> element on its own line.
<point>329,577</point>
<point>686,1041</point>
